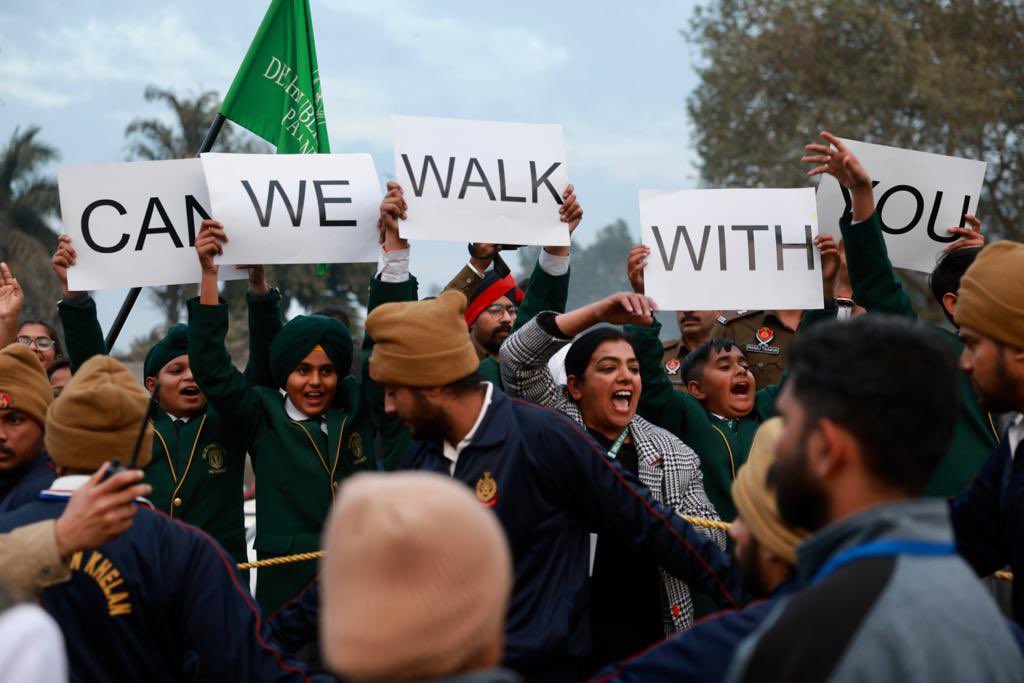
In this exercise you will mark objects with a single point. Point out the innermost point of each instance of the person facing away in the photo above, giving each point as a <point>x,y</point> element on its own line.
<point>415,582</point>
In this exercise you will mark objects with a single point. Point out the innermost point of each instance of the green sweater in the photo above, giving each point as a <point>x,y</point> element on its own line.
<point>721,445</point>
<point>196,472</point>
<point>877,288</point>
<point>298,467</point>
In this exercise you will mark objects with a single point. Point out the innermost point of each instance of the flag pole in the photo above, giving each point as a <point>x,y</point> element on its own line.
<point>133,293</point>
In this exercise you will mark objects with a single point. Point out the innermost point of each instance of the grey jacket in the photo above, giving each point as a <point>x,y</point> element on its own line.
<point>908,610</point>
<point>667,467</point>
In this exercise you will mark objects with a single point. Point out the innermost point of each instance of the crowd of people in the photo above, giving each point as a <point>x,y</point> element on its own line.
<point>506,490</point>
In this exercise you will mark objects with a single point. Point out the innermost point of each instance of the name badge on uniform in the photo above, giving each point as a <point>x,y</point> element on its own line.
<point>765,337</point>
<point>672,366</point>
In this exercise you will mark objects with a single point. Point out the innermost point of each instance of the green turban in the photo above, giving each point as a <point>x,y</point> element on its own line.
<point>302,333</point>
<point>167,349</point>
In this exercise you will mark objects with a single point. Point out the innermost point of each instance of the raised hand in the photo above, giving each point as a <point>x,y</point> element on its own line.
<point>830,263</point>
<point>12,298</point>
<point>257,278</point>
<point>619,309</point>
<point>970,236</point>
<point>210,243</point>
<point>100,511</point>
<point>839,162</point>
<point>570,211</point>
<point>392,208</point>
<point>64,258</point>
<point>635,265</point>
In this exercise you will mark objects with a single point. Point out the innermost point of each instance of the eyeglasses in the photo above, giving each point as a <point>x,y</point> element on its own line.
<point>41,343</point>
<point>496,310</point>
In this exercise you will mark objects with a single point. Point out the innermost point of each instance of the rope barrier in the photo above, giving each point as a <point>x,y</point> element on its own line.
<point>284,559</point>
<point>696,521</point>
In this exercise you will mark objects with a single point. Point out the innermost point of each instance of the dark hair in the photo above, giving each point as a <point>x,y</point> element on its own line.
<point>892,383</point>
<point>50,330</point>
<point>465,385</point>
<point>336,312</point>
<point>582,350</point>
<point>57,364</point>
<point>693,364</point>
<point>945,279</point>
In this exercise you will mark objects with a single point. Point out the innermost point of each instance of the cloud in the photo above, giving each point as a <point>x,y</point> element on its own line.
<point>460,48</point>
<point>56,67</point>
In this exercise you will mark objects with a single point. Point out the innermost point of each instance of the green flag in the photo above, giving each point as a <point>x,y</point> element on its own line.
<point>276,93</point>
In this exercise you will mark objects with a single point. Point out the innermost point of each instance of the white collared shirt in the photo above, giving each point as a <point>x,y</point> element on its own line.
<point>299,416</point>
<point>175,418</point>
<point>451,452</point>
<point>1015,434</point>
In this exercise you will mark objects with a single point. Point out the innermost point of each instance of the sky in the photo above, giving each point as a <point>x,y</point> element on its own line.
<point>615,75</point>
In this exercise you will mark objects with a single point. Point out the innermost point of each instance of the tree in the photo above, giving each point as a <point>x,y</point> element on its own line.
<point>598,270</point>
<point>941,77</point>
<point>153,139</point>
<point>28,200</point>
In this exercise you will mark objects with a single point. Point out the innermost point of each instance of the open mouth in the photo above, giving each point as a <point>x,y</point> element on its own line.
<point>190,392</point>
<point>622,400</point>
<point>313,396</point>
<point>740,389</point>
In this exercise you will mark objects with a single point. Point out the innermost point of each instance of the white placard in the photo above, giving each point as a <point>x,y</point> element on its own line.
<point>481,181</point>
<point>731,249</point>
<point>918,196</point>
<point>295,208</point>
<point>134,224</point>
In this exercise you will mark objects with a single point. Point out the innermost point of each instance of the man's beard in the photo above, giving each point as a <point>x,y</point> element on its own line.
<point>1000,398</point>
<point>493,342</point>
<point>750,569</point>
<point>802,500</point>
<point>427,423</point>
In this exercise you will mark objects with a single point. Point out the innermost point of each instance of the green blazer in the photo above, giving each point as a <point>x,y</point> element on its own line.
<point>196,472</point>
<point>877,288</point>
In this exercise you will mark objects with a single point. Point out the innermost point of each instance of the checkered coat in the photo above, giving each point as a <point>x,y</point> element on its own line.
<point>667,467</point>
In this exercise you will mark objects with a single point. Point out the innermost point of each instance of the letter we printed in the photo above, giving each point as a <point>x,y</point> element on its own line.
<point>134,224</point>
<point>731,249</point>
<point>481,181</point>
<point>295,208</point>
<point>918,196</point>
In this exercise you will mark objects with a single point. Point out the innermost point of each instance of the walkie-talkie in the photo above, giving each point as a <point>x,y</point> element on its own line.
<point>115,464</point>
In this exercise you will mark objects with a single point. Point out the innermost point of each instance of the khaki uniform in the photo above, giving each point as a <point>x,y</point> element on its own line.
<point>763,337</point>
<point>29,561</point>
<point>672,362</point>
<point>465,281</point>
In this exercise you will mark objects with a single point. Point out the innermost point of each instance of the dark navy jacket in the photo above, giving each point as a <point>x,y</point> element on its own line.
<point>297,622</point>
<point>160,603</point>
<point>24,486</point>
<point>551,484</point>
<point>703,653</point>
<point>988,519</point>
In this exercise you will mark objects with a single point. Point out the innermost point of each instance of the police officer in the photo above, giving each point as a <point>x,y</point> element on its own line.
<point>764,336</point>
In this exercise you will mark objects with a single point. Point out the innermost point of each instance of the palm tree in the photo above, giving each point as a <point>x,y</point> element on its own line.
<point>28,199</point>
<point>153,139</point>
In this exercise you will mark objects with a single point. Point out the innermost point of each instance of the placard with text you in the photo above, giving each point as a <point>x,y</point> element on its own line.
<point>731,249</point>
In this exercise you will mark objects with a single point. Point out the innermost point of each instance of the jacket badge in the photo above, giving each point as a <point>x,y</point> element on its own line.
<point>5,400</point>
<point>213,454</point>
<point>355,444</point>
<point>487,490</point>
<point>672,366</point>
<point>764,335</point>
